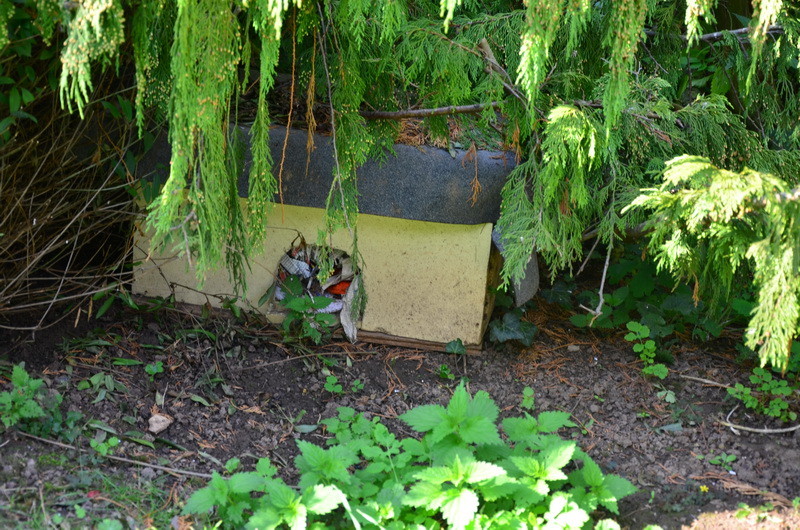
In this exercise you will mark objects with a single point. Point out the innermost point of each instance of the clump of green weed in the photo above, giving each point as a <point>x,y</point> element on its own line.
<point>767,395</point>
<point>460,473</point>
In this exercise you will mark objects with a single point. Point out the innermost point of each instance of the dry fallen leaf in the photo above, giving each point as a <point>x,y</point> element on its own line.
<point>159,423</point>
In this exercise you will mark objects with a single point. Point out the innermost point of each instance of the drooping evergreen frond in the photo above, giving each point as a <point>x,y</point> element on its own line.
<point>625,22</point>
<point>204,64</point>
<point>594,97</point>
<point>262,184</point>
<point>152,27</point>
<point>710,226</point>
<point>697,10</point>
<point>95,33</point>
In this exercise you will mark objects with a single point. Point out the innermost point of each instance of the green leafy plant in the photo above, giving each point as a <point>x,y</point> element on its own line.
<point>460,472</point>
<point>723,460</point>
<point>357,386</point>
<point>445,373</point>
<point>666,394</point>
<point>102,385</point>
<point>153,369</point>
<point>528,398</point>
<point>510,326</point>
<point>333,385</point>
<point>31,407</point>
<point>455,346</point>
<point>769,395</point>
<point>105,447</point>
<point>639,335</point>
<point>22,402</point>
<point>302,321</point>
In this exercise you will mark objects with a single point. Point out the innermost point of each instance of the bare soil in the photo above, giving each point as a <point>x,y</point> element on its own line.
<point>235,390</point>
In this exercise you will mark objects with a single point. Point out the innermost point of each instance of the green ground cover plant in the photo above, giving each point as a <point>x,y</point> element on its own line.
<point>460,473</point>
<point>302,321</point>
<point>768,395</point>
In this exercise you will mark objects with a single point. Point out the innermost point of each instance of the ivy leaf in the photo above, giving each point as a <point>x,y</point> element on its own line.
<point>512,327</point>
<point>321,499</point>
<point>461,508</point>
<point>455,346</point>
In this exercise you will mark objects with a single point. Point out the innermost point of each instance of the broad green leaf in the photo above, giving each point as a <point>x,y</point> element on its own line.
<point>554,457</point>
<point>436,475</point>
<point>457,408</point>
<point>424,494</point>
<point>592,473</point>
<point>424,418</point>
<point>246,482</point>
<point>264,519</point>
<point>297,518</point>
<point>480,431</point>
<point>618,486</point>
<point>551,421</point>
<point>484,406</point>
<point>200,501</point>
<point>528,465</point>
<point>280,495</point>
<point>480,471</point>
<point>461,508</point>
<point>321,499</point>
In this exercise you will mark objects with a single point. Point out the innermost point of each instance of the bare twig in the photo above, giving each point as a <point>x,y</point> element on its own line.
<point>597,311</point>
<point>299,357</point>
<point>741,34</point>
<point>588,255</point>
<point>118,458</point>
<point>424,113</point>
<point>736,427</point>
<point>704,381</point>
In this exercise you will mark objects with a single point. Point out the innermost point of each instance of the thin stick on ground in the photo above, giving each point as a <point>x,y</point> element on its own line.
<point>118,458</point>
<point>736,427</point>
<point>704,381</point>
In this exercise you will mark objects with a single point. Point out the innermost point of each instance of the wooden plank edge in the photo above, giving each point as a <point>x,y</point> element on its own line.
<point>369,337</point>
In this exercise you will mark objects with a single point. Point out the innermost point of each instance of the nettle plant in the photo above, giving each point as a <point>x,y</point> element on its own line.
<point>460,474</point>
<point>768,395</point>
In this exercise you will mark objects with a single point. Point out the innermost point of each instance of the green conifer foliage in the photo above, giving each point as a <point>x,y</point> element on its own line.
<point>595,97</point>
<point>710,222</point>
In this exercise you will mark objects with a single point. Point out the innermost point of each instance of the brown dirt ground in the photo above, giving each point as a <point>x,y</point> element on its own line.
<point>258,391</point>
